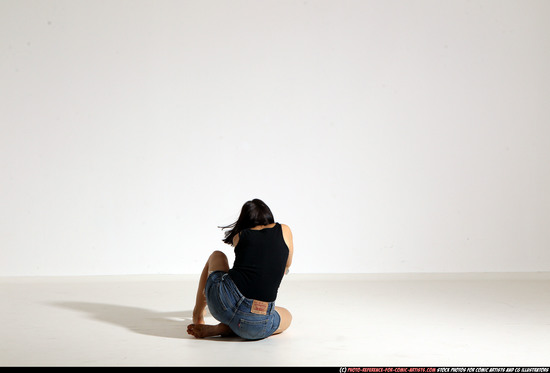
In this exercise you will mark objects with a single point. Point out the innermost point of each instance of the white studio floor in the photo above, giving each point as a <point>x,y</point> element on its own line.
<point>339,320</point>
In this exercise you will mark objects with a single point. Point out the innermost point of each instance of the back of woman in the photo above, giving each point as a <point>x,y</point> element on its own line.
<point>243,298</point>
<point>260,260</point>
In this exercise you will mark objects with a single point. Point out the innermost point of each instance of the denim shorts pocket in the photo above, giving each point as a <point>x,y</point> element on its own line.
<point>253,329</point>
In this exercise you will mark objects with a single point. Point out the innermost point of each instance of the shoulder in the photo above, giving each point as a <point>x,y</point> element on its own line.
<point>285,228</point>
<point>287,236</point>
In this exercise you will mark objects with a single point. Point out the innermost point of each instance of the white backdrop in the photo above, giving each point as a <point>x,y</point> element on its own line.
<point>391,136</point>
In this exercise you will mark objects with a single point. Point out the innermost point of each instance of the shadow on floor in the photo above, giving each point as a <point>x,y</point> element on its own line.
<point>135,319</point>
<point>140,320</point>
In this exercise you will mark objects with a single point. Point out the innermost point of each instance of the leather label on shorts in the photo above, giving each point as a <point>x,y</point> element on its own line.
<point>259,307</point>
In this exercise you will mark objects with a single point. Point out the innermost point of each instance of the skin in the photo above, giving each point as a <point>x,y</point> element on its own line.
<point>218,262</point>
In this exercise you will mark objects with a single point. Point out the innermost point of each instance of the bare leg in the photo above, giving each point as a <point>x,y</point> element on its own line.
<point>216,262</point>
<point>286,319</point>
<point>200,302</point>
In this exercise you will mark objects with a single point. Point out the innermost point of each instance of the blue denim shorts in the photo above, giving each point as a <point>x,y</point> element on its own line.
<point>230,307</point>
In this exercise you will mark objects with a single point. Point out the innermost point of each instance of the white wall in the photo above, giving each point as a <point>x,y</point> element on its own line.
<point>392,136</point>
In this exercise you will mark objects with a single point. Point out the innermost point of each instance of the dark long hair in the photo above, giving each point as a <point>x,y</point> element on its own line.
<point>253,213</point>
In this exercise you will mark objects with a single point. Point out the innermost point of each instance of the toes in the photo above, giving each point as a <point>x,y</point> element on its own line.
<point>194,330</point>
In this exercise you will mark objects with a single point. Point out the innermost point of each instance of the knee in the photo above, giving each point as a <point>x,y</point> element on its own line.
<point>218,262</point>
<point>286,318</point>
<point>218,254</point>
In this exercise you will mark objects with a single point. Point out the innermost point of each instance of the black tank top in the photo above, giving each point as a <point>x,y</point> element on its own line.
<point>260,261</point>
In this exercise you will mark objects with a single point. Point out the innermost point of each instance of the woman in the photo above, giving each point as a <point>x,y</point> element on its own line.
<point>242,298</point>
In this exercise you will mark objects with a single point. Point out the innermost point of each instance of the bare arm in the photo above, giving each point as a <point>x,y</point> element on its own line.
<point>287,235</point>
<point>235,240</point>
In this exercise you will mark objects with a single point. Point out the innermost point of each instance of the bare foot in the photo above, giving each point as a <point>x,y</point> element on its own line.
<point>203,330</point>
